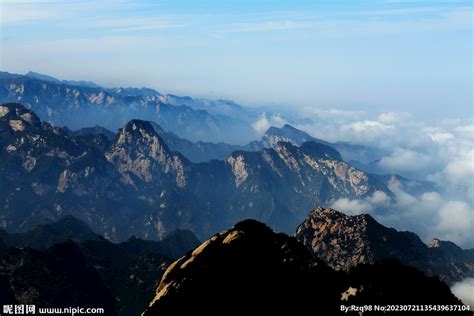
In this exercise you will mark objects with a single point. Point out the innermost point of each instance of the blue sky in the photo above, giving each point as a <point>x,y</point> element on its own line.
<point>399,55</point>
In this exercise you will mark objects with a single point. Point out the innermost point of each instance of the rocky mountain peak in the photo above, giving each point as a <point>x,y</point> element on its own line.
<point>286,130</point>
<point>435,243</point>
<point>320,150</point>
<point>446,246</point>
<point>345,241</point>
<point>138,149</point>
<point>272,130</point>
<point>139,127</point>
<point>248,263</point>
<point>142,135</point>
<point>287,133</point>
<point>18,117</point>
<point>46,78</point>
<point>339,238</point>
<point>332,215</point>
<point>251,269</point>
<point>36,75</point>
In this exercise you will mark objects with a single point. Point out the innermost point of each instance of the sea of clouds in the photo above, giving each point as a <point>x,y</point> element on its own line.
<point>440,152</point>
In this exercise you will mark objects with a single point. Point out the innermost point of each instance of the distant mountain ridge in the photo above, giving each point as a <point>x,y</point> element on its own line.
<point>345,241</point>
<point>213,125</point>
<point>82,104</point>
<point>35,75</point>
<point>95,130</point>
<point>45,235</point>
<point>288,133</point>
<point>69,228</point>
<point>206,151</point>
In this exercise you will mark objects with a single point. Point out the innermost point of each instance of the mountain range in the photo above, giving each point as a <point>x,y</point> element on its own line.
<point>136,185</point>
<point>351,153</point>
<point>188,125</point>
<point>78,104</point>
<point>205,151</point>
<point>102,190</point>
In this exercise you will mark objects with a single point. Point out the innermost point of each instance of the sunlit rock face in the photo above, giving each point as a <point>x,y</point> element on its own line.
<point>345,241</point>
<point>139,150</point>
<point>250,269</point>
<point>238,169</point>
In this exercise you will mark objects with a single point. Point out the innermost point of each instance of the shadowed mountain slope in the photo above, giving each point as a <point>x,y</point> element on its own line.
<point>250,269</point>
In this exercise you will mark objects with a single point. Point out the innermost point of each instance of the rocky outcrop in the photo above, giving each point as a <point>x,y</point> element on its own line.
<point>250,269</point>
<point>344,242</point>
<point>140,151</point>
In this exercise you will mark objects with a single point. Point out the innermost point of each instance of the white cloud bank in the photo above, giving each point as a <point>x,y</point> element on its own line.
<point>465,291</point>
<point>441,152</point>
<point>429,214</point>
<point>367,205</point>
<point>266,121</point>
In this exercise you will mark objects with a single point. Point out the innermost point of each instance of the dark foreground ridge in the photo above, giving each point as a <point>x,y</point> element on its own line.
<point>64,263</point>
<point>250,269</point>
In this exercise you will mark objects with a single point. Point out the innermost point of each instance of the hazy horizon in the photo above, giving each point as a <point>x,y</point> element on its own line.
<point>376,56</point>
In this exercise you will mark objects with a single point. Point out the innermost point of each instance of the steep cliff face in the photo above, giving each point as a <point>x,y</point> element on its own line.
<point>278,185</point>
<point>138,150</point>
<point>249,269</point>
<point>344,242</point>
<point>341,240</point>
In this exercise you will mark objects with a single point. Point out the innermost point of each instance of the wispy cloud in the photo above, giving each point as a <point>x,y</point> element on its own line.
<point>360,22</point>
<point>76,12</point>
<point>304,54</point>
<point>137,23</point>
<point>18,12</point>
<point>456,19</point>
<point>269,26</point>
